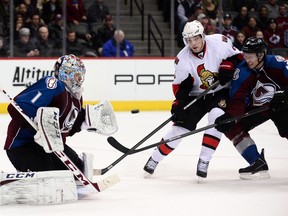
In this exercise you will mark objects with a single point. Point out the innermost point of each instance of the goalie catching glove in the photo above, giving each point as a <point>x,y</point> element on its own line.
<point>49,133</point>
<point>100,118</point>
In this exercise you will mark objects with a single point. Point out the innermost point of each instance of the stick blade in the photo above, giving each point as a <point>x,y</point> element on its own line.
<point>115,144</point>
<point>108,182</point>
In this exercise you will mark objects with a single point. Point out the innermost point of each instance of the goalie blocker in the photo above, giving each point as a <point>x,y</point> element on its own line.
<point>37,188</point>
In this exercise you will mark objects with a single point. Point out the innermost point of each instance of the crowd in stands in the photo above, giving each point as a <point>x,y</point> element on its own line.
<point>38,29</point>
<point>240,19</point>
<point>38,24</point>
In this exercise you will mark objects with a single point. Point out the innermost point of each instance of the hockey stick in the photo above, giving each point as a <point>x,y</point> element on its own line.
<point>93,187</point>
<point>115,143</point>
<point>125,150</point>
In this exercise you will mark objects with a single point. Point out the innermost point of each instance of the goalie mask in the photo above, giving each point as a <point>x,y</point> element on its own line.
<point>70,70</point>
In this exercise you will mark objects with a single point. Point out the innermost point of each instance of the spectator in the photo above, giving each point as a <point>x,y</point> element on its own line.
<point>97,11</point>
<point>3,47</point>
<point>77,46</point>
<point>46,46</point>
<point>104,33</point>
<point>210,7</point>
<point>241,19</point>
<point>251,5</point>
<point>34,25</point>
<point>56,30</point>
<point>76,12</point>
<point>31,7</point>
<point>126,49</point>
<point>22,10</point>
<point>239,40</point>
<point>4,17</point>
<point>227,28</point>
<point>282,23</point>
<point>24,47</point>
<point>19,23</point>
<point>263,18</point>
<point>259,34</point>
<point>50,9</point>
<point>273,36</point>
<point>273,8</point>
<point>227,6</point>
<point>205,21</point>
<point>282,19</point>
<point>251,28</point>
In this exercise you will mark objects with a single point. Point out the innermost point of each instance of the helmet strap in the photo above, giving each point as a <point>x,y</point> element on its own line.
<point>259,56</point>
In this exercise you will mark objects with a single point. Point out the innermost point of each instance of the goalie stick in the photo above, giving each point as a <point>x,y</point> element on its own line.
<point>93,187</point>
<point>126,150</point>
<point>113,142</point>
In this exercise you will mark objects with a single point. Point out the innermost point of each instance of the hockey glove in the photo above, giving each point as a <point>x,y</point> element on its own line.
<point>279,101</point>
<point>226,72</point>
<point>222,125</point>
<point>177,111</point>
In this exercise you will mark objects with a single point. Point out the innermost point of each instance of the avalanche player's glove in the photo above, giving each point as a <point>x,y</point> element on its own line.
<point>279,101</point>
<point>224,127</point>
<point>226,72</point>
<point>177,111</point>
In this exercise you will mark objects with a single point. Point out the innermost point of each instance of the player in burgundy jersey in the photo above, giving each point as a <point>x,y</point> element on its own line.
<point>260,80</point>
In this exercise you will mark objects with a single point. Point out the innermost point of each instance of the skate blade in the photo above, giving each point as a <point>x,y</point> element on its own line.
<point>200,180</point>
<point>258,175</point>
<point>146,175</point>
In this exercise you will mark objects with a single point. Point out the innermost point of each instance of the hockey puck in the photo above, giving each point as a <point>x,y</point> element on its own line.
<point>134,111</point>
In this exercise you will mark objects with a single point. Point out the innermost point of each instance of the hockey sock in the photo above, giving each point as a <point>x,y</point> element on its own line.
<point>209,145</point>
<point>250,154</point>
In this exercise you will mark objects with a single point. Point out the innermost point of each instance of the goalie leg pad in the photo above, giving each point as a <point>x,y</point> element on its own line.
<point>49,133</point>
<point>37,188</point>
<point>88,165</point>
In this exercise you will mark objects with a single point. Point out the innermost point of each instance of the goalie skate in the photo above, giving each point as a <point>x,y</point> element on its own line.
<point>257,170</point>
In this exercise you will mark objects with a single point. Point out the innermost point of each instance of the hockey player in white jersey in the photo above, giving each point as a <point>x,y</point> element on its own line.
<point>203,61</point>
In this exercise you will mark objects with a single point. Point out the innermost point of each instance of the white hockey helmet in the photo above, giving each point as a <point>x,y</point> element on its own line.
<point>192,29</point>
<point>70,70</point>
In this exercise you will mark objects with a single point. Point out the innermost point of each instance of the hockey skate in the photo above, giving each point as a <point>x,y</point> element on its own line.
<point>150,166</point>
<point>202,168</point>
<point>258,169</point>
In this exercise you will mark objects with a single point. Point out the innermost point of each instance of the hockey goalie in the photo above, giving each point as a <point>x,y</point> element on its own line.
<point>55,105</point>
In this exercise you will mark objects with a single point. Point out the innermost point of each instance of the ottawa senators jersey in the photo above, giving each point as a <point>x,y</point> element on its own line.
<point>199,71</point>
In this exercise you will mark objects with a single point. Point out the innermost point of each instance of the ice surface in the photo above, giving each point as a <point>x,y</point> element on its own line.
<point>173,189</point>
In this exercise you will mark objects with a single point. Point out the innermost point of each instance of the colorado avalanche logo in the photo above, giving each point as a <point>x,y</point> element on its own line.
<point>51,82</point>
<point>263,93</point>
<point>207,77</point>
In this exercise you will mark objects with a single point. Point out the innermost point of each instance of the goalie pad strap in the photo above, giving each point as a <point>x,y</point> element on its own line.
<point>49,133</point>
<point>37,188</point>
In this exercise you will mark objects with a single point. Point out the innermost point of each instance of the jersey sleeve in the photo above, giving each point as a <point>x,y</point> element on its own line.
<point>227,49</point>
<point>239,92</point>
<point>38,95</point>
<point>183,81</point>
